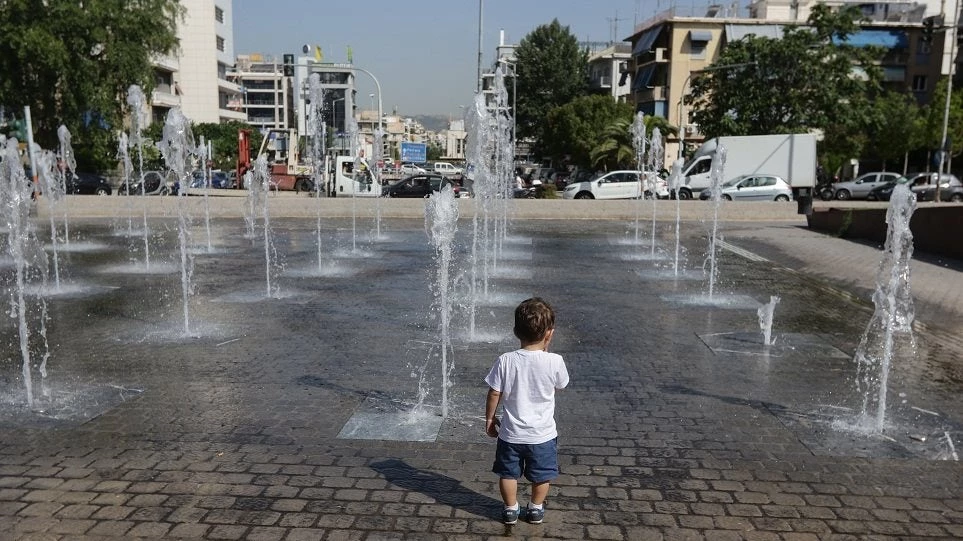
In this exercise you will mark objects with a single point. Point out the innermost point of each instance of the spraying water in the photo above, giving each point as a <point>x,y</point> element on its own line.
<point>477,172</point>
<point>656,161</point>
<point>68,163</point>
<point>53,192</point>
<point>255,191</point>
<point>638,143</point>
<point>25,250</point>
<point>177,146</point>
<point>441,222</point>
<point>123,154</point>
<point>318,132</point>
<point>261,181</point>
<point>765,313</point>
<point>715,195</point>
<point>355,138</point>
<point>137,102</point>
<point>377,155</point>
<point>892,321</point>
<point>204,152</point>
<point>675,182</point>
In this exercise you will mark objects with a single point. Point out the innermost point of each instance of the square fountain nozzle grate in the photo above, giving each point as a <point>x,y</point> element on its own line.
<point>380,420</point>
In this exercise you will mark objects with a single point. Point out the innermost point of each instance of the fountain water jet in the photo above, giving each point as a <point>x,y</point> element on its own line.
<point>638,143</point>
<point>137,102</point>
<point>892,323</point>
<point>656,161</point>
<point>68,163</point>
<point>318,132</point>
<point>53,192</point>
<point>177,146</point>
<point>715,175</point>
<point>765,313</point>
<point>24,249</point>
<point>441,222</point>
<point>675,182</point>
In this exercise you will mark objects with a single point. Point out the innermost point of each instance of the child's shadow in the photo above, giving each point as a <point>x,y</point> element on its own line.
<point>443,489</point>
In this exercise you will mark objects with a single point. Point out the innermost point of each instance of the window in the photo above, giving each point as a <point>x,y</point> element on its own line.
<point>919,83</point>
<point>698,50</point>
<point>218,14</point>
<point>220,43</point>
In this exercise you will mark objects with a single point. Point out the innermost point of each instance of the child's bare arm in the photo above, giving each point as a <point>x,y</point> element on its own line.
<point>491,404</point>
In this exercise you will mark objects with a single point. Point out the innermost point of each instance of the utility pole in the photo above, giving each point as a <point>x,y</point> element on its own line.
<point>951,64</point>
<point>614,25</point>
<point>478,86</point>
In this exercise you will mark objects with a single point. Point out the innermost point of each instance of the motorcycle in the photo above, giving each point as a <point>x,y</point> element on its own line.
<point>526,193</point>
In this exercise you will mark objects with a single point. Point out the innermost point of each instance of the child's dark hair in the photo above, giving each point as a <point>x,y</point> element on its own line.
<point>533,318</point>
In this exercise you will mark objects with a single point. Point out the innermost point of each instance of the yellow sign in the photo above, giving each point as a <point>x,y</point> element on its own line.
<point>318,55</point>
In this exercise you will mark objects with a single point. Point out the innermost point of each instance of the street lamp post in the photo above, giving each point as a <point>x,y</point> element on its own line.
<point>949,90</point>
<point>514,101</point>
<point>686,85</point>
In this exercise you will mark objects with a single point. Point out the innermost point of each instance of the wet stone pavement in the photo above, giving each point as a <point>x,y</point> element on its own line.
<point>678,423</point>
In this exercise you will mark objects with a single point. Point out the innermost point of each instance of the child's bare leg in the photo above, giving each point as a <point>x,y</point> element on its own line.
<point>540,492</point>
<point>509,489</point>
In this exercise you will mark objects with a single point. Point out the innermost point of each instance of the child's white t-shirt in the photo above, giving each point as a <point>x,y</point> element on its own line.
<point>527,381</point>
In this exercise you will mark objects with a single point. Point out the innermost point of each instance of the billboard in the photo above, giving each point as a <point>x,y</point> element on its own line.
<point>414,152</point>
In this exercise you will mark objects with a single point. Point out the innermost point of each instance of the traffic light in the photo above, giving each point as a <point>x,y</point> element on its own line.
<point>18,128</point>
<point>930,24</point>
<point>288,68</point>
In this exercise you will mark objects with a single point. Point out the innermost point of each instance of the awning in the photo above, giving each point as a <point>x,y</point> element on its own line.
<point>643,77</point>
<point>700,36</point>
<point>735,32</point>
<point>646,40</point>
<point>887,39</point>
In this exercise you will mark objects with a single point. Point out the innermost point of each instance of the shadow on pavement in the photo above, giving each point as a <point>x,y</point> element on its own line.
<point>443,489</point>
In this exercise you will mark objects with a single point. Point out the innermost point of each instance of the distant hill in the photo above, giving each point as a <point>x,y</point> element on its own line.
<point>435,123</point>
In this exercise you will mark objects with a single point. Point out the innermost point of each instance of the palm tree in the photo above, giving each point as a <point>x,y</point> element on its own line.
<point>614,150</point>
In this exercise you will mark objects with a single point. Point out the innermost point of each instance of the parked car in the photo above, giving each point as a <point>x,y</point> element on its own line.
<point>411,169</point>
<point>753,188</point>
<point>86,183</point>
<point>418,186</point>
<point>951,190</point>
<point>882,192</point>
<point>219,180</point>
<point>155,183</point>
<point>614,185</point>
<point>860,187</point>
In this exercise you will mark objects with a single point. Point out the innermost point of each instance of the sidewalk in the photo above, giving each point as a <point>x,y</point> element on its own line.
<point>678,424</point>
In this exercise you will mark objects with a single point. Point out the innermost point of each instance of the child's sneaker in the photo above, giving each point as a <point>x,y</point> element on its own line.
<point>536,516</point>
<point>509,515</point>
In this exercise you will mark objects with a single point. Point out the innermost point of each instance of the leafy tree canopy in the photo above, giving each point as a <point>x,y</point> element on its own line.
<point>72,63</point>
<point>793,84</point>
<point>574,129</point>
<point>552,71</point>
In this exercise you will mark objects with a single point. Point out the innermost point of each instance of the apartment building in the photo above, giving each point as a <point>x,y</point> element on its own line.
<point>266,97</point>
<point>196,78</point>
<point>606,70</point>
<point>668,48</point>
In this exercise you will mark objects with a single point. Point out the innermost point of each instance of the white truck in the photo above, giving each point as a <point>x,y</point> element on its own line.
<point>351,183</point>
<point>790,156</point>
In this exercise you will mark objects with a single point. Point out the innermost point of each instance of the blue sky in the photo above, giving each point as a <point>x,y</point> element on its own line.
<point>423,52</point>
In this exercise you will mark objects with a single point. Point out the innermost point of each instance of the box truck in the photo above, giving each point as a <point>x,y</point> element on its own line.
<point>790,156</point>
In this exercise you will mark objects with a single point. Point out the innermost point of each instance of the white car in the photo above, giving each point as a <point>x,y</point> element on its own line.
<point>411,169</point>
<point>753,188</point>
<point>616,185</point>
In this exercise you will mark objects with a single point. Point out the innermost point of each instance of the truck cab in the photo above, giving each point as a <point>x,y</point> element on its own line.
<point>353,178</point>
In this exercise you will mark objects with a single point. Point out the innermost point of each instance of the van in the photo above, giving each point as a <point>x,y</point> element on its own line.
<point>446,169</point>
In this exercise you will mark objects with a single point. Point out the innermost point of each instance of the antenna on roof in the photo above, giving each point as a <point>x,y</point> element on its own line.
<point>614,22</point>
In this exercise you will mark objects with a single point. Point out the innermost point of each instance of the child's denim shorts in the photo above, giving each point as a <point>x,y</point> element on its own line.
<point>538,462</point>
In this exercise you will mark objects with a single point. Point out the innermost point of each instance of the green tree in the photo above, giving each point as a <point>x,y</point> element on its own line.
<point>223,138</point>
<point>574,129</point>
<point>434,151</point>
<point>932,121</point>
<point>615,149</point>
<point>72,63</point>
<point>896,129</point>
<point>790,85</point>
<point>551,72</point>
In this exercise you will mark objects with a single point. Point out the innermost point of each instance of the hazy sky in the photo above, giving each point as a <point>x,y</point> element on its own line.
<point>423,52</point>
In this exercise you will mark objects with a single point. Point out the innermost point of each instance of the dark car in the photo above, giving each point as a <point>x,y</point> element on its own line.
<point>882,192</point>
<point>418,186</point>
<point>86,183</point>
<point>154,184</point>
<point>219,180</point>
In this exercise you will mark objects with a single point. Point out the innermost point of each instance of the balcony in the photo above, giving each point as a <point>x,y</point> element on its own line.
<point>661,54</point>
<point>652,93</point>
<point>162,96</point>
